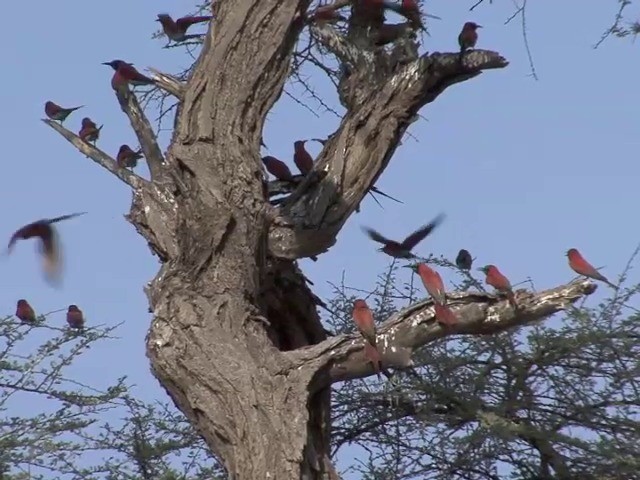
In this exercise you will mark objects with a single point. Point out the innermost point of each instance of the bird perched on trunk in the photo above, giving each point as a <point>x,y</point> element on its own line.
<point>579,265</point>
<point>56,112</point>
<point>498,281</point>
<point>444,315</point>
<point>177,30</point>
<point>25,312</point>
<point>75,319</point>
<point>277,168</point>
<point>432,282</point>
<point>302,158</point>
<point>403,249</point>
<point>49,244</point>
<point>128,158</point>
<point>89,131</point>
<point>363,318</point>
<point>468,37</point>
<point>126,74</point>
<point>464,260</point>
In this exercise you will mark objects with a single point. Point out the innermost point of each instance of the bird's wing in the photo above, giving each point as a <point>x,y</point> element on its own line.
<point>375,236</point>
<point>63,217</point>
<point>419,235</point>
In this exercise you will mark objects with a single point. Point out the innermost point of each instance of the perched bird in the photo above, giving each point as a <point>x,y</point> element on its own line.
<point>444,315</point>
<point>24,312</point>
<point>302,158</point>
<point>433,283</point>
<point>464,260</point>
<point>403,249</point>
<point>89,132</point>
<point>363,318</point>
<point>579,265</point>
<point>56,112</point>
<point>128,158</point>
<point>126,74</point>
<point>468,37</point>
<point>49,245</point>
<point>498,281</point>
<point>177,30</point>
<point>277,168</point>
<point>326,13</point>
<point>411,11</point>
<point>75,319</point>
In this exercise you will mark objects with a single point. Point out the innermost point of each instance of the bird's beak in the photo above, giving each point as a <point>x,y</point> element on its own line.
<point>480,269</point>
<point>478,26</point>
<point>106,63</point>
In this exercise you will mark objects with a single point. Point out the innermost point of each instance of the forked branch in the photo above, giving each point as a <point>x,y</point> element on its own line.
<point>168,83</point>
<point>415,326</point>
<point>98,156</point>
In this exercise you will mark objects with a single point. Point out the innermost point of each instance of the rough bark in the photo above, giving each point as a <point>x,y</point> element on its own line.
<point>236,339</point>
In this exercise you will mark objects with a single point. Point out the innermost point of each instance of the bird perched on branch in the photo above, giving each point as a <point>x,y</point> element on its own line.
<point>177,30</point>
<point>56,112</point>
<point>25,312</point>
<point>128,158</point>
<point>75,318</point>
<point>464,260</point>
<point>277,168</point>
<point>468,37</point>
<point>432,282</point>
<point>403,249</point>
<point>498,281</point>
<point>126,74</point>
<point>89,131</point>
<point>49,244</point>
<point>579,265</point>
<point>363,318</point>
<point>302,158</point>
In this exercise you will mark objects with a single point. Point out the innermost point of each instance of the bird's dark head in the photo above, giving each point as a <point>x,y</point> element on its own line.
<point>471,26</point>
<point>115,64</point>
<point>22,303</point>
<point>571,252</point>
<point>360,303</point>
<point>299,144</point>
<point>73,308</point>
<point>87,122</point>
<point>163,17</point>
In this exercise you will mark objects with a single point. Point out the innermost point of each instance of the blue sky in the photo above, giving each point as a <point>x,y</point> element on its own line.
<point>523,169</point>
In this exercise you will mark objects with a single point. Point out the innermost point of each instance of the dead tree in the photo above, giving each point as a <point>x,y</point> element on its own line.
<point>236,339</point>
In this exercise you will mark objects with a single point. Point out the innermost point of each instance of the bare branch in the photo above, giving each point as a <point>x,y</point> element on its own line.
<point>98,156</point>
<point>385,100</point>
<point>168,83</point>
<point>142,128</point>
<point>415,326</point>
<point>337,44</point>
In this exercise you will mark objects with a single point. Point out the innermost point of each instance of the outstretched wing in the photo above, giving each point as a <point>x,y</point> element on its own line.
<point>420,234</point>
<point>375,236</point>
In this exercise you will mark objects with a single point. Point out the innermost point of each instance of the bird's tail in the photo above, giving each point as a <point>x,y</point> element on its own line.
<point>75,108</point>
<point>371,353</point>
<point>380,192</point>
<point>65,217</point>
<point>512,299</point>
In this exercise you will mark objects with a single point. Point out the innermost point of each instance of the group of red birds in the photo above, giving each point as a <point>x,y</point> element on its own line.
<point>26,314</point>
<point>434,285</point>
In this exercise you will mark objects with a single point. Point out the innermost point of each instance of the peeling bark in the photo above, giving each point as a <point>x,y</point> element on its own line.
<point>236,339</point>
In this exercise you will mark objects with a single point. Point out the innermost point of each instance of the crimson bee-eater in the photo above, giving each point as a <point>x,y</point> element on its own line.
<point>126,74</point>
<point>433,283</point>
<point>75,319</point>
<point>579,265</point>
<point>25,312</point>
<point>277,168</point>
<point>498,281</point>
<point>89,131</point>
<point>464,260</point>
<point>468,37</point>
<point>128,158</point>
<point>302,158</point>
<point>177,30</point>
<point>403,249</point>
<point>363,318</point>
<point>56,112</point>
<point>49,244</point>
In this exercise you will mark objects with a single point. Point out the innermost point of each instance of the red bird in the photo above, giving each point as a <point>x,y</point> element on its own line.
<point>433,283</point>
<point>126,74</point>
<point>128,158</point>
<point>468,37</point>
<point>89,132</point>
<point>403,249</point>
<point>363,318</point>
<point>498,281</point>
<point>579,265</point>
<point>75,319</point>
<point>444,315</point>
<point>277,168</point>
<point>56,112</point>
<point>411,11</point>
<point>24,312</point>
<point>326,13</point>
<point>49,245</point>
<point>177,31</point>
<point>301,157</point>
